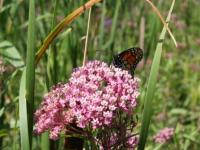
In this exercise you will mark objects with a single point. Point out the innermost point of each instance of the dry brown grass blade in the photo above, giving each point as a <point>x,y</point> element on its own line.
<point>162,20</point>
<point>86,39</point>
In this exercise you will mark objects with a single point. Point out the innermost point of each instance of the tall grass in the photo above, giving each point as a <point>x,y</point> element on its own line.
<point>176,94</point>
<point>26,99</point>
<point>23,108</point>
<point>148,99</point>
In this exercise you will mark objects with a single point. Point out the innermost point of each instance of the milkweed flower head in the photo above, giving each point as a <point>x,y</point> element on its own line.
<point>91,98</point>
<point>164,135</point>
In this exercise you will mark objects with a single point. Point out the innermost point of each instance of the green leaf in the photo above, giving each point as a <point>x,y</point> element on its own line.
<point>11,54</point>
<point>3,132</point>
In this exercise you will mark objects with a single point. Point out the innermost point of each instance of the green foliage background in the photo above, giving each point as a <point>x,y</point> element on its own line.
<point>115,26</point>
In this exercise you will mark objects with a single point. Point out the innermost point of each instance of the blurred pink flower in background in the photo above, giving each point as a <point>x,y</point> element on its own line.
<point>181,45</point>
<point>179,24</point>
<point>198,41</point>
<point>164,135</point>
<point>169,55</point>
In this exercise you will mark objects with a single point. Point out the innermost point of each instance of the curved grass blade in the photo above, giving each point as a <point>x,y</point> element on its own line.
<point>147,113</point>
<point>67,20</point>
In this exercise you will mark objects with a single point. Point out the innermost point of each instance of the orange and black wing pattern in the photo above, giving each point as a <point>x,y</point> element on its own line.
<point>128,59</point>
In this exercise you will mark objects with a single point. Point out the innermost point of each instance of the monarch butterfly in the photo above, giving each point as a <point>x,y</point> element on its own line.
<point>128,59</point>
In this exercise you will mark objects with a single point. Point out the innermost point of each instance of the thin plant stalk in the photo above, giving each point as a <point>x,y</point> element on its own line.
<point>162,20</point>
<point>86,38</point>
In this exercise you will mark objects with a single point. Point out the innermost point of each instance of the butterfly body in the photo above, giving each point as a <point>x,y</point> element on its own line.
<point>128,59</point>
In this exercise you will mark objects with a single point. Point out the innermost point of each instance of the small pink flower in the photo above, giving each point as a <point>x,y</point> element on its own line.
<point>179,24</point>
<point>181,45</point>
<point>132,142</point>
<point>164,135</point>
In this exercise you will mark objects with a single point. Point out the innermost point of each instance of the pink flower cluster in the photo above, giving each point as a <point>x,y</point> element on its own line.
<point>164,135</point>
<point>93,95</point>
<point>53,114</point>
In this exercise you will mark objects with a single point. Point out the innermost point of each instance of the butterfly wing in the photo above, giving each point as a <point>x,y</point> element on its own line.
<point>128,59</point>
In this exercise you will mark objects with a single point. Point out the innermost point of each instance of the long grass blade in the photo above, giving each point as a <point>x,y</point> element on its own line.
<point>27,85</point>
<point>30,68</point>
<point>25,144</point>
<point>147,113</point>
